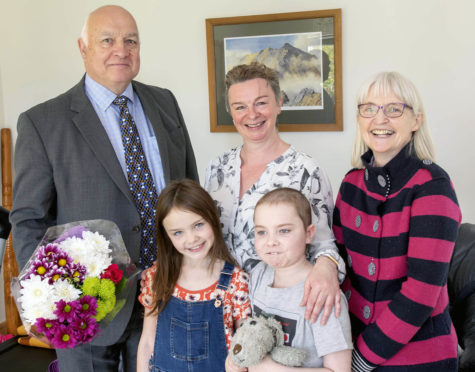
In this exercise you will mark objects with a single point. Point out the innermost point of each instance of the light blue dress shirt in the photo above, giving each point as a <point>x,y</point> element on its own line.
<point>109,115</point>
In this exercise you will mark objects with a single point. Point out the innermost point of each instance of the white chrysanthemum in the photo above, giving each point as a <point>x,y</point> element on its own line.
<point>96,241</point>
<point>76,248</point>
<point>92,251</point>
<point>63,290</point>
<point>34,291</point>
<point>49,307</point>
<point>95,265</point>
<point>33,312</point>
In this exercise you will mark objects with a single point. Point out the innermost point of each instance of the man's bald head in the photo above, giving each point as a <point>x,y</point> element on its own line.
<point>110,47</point>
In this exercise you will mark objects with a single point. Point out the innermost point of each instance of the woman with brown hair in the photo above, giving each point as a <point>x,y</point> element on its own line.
<point>240,177</point>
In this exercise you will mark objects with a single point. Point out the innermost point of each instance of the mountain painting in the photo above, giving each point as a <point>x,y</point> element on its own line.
<point>297,58</point>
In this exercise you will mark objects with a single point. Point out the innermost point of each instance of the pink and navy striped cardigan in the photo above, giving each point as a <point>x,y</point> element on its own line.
<point>395,227</point>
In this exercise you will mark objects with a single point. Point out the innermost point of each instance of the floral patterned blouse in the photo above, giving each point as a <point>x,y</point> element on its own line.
<point>236,303</point>
<point>292,169</point>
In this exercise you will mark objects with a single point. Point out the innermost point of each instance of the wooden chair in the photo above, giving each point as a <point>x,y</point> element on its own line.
<point>10,266</point>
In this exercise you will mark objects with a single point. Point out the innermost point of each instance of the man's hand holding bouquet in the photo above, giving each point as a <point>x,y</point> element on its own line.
<point>74,284</point>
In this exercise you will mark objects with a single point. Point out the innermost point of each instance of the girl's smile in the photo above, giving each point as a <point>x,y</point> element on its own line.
<point>190,234</point>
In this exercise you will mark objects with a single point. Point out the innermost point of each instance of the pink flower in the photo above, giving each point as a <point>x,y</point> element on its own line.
<point>64,337</point>
<point>66,311</point>
<point>46,326</point>
<point>85,329</point>
<point>113,273</point>
<point>88,306</point>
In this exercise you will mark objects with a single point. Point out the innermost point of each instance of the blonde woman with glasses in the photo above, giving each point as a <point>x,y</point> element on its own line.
<point>395,221</point>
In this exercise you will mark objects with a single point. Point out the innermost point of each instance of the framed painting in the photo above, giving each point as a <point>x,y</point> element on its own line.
<point>305,50</point>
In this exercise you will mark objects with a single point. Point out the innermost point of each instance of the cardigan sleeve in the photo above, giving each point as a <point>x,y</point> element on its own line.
<point>434,220</point>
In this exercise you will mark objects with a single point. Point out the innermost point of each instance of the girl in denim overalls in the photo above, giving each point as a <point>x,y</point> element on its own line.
<point>194,296</point>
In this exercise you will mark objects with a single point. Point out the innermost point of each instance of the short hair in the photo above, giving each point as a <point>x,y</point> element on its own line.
<point>85,30</point>
<point>255,70</point>
<point>286,195</point>
<point>385,83</point>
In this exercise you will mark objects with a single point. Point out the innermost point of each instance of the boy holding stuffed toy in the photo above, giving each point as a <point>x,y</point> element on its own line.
<point>283,228</point>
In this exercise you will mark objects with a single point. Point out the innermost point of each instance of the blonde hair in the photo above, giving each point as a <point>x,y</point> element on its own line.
<point>386,83</point>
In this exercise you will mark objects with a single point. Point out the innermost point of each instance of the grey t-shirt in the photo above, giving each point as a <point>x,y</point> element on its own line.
<point>284,305</point>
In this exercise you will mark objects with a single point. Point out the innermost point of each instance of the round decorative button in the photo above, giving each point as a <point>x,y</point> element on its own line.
<point>371,269</point>
<point>350,261</point>
<point>366,312</point>
<point>217,303</point>
<point>375,226</point>
<point>366,174</point>
<point>427,161</point>
<point>136,228</point>
<point>381,181</point>
<point>348,294</point>
<point>358,221</point>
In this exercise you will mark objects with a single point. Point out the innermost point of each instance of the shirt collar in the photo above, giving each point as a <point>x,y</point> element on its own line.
<point>102,96</point>
<point>394,175</point>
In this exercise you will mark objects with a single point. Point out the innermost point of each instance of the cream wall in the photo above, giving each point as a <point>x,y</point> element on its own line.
<point>430,41</point>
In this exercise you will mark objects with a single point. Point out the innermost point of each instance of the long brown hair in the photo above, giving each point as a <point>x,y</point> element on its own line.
<point>189,196</point>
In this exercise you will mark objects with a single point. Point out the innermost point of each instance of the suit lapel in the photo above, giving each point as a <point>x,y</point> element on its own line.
<point>153,111</point>
<point>91,128</point>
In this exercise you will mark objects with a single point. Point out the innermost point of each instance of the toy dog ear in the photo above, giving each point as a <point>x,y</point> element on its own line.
<point>276,331</point>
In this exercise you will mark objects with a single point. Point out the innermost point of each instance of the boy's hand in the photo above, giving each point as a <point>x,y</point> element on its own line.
<point>231,367</point>
<point>322,291</point>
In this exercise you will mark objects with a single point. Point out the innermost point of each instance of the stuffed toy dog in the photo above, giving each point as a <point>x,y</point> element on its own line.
<point>259,336</point>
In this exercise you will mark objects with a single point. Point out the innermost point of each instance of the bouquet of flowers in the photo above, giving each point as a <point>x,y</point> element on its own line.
<point>74,284</point>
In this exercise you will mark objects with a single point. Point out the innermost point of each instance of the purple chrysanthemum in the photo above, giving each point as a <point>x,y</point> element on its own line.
<point>85,329</point>
<point>77,272</point>
<point>48,251</point>
<point>46,326</point>
<point>56,273</point>
<point>39,267</point>
<point>61,259</point>
<point>88,306</point>
<point>64,337</point>
<point>67,311</point>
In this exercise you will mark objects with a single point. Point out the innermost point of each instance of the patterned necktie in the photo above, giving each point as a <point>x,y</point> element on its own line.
<point>141,183</point>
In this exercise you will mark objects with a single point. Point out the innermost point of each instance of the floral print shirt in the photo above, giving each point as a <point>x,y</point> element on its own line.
<point>236,304</point>
<point>292,169</point>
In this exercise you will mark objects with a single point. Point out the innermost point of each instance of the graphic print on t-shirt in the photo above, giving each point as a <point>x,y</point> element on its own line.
<point>288,325</point>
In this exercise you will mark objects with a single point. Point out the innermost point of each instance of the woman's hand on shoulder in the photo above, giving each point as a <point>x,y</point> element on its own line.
<point>322,291</point>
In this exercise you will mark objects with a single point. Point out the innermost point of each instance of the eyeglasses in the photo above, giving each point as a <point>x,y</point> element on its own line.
<point>391,110</point>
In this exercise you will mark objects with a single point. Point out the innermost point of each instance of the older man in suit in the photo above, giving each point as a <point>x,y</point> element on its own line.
<point>70,164</point>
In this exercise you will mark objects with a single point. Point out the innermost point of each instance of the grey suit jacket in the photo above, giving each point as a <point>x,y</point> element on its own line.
<point>66,170</point>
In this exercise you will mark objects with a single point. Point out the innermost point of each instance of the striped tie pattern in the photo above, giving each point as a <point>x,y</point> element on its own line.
<point>141,183</point>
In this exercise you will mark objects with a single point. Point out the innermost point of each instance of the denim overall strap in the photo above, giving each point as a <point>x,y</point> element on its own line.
<point>225,277</point>
<point>190,336</point>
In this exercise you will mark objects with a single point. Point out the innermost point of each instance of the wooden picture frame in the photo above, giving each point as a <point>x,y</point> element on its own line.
<point>233,40</point>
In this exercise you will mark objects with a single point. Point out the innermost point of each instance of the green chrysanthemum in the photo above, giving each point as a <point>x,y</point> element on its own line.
<point>107,289</point>
<point>105,298</point>
<point>91,286</point>
<point>101,311</point>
